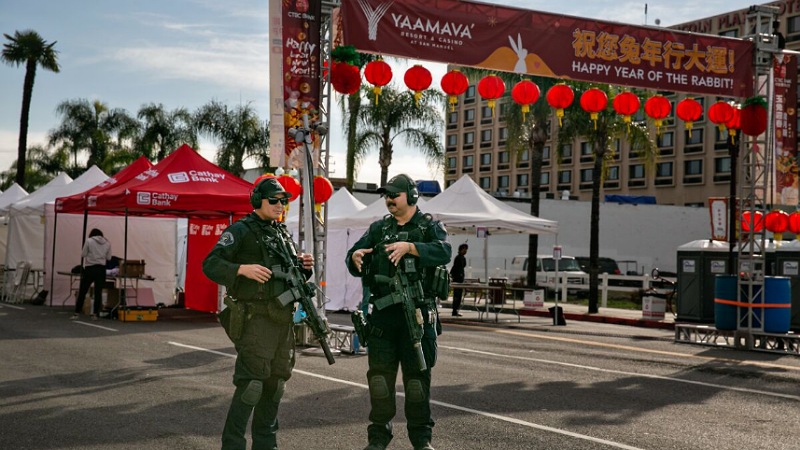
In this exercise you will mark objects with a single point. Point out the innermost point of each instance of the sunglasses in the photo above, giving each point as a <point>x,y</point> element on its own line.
<point>274,200</point>
<point>392,195</point>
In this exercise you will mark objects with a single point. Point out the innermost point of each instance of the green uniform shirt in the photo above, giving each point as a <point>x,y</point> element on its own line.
<point>250,240</point>
<point>428,236</point>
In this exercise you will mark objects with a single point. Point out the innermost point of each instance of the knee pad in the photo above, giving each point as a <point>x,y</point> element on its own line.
<point>252,393</point>
<point>414,391</point>
<point>378,388</point>
<point>279,388</point>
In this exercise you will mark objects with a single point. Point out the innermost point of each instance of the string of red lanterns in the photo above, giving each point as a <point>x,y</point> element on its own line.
<point>750,119</point>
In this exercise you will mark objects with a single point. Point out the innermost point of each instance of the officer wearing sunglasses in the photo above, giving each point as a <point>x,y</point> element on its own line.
<point>264,337</point>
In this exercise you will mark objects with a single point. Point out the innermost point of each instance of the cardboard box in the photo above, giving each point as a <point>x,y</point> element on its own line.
<point>653,308</point>
<point>132,314</point>
<point>131,268</point>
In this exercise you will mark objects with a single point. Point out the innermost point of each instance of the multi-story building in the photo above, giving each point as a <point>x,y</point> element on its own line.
<point>691,167</point>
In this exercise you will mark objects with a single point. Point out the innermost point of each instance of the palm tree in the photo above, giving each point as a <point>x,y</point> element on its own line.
<point>526,133</point>
<point>28,48</point>
<point>93,128</point>
<point>239,131</point>
<point>600,135</point>
<point>42,166</point>
<point>397,114</point>
<point>164,131</point>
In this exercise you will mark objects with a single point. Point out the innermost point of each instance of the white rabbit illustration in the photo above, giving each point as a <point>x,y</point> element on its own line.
<point>522,53</point>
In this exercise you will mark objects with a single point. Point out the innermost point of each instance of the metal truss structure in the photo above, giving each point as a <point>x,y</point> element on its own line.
<point>741,339</point>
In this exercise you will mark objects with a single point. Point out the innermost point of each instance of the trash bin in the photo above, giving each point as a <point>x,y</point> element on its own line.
<point>557,313</point>
<point>787,264</point>
<point>498,296</point>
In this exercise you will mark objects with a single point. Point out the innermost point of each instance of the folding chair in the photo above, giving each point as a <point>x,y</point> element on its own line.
<point>20,282</point>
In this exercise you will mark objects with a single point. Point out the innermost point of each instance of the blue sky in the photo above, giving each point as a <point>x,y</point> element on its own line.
<point>184,53</point>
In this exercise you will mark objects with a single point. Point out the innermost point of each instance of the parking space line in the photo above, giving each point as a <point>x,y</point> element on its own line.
<point>443,404</point>
<point>94,325</point>
<point>6,305</point>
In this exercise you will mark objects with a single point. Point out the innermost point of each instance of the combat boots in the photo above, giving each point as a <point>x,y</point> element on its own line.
<point>426,446</point>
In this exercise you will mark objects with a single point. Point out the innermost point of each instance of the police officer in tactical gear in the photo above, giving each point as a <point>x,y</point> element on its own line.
<point>259,325</point>
<point>409,241</point>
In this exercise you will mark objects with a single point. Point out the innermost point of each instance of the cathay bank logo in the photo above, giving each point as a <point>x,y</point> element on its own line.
<point>178,177</point>
<point>374,16</point>
<point>143,198</point>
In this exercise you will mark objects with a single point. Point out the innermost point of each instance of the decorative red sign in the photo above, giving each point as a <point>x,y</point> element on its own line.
<point>536,43</point>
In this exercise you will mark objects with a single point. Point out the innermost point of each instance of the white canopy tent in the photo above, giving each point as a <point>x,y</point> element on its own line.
<point>464,208</point>
<point>340,286</point>
<point>26,224</point>
<point>11,195</point>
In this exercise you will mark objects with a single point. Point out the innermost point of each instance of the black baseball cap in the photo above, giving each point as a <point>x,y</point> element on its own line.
<point>398,183</point>
<point>269,187</point>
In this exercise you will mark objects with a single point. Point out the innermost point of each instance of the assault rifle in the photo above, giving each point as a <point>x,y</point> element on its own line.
<point>303,292</point>
<point>400,294</point>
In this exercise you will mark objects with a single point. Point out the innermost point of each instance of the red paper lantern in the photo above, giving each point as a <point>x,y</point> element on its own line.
<point>491,87</point>
<point>323,189</point>
<point>626,104</point>
<point>752,222</point>
<point>754,116</point>
<point>418,79</point>
<point>777,222</point>
<point>560,97</point>
<point>794,223</point>
<point>258,180</point>
<point>291,185</point>
<point>657,108</point>
<point>345,78</point>
<point>689,110</point>
<point>378,74</point>
<point>454,83</point>
<point>594,101</point>
<point>720,113</point>
<point>525,93</point>
<point>735,123</point>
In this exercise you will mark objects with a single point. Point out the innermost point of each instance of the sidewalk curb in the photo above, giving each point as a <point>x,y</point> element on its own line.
<point>585,317</point>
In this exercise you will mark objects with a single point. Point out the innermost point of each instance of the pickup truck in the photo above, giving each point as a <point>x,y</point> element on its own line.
<point>577,280</point>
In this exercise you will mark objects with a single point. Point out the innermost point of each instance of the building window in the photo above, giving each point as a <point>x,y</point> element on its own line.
<point>586,148</point>
<point>522,180</point>
<point>586,175</point>
<point>566,151</point>
<point>545,178</point>
<point>722,169</point>
<point>468,161</point>
<point>502,183</point>
<point>793,25</point>
<point>486,113</point>
<point>636,176</point>
<point>486,159</point>
<point>729,33</point>
<point>546,152</point>
<point>693,171</point>
<point>613,173</point>
<point>469,117</point>
<point>469,96</point>
<point>665,139</point>
<point>564,176</point>
<point>486,136</point>
<point>502,135</point>
<point>525,156</point>
<point>451,162</point>
<point>503,157</point>
<point>664,169</point>
<point>696,137</point>
<point>452,140</point>
<point>503,110</point>
<point>486,183</point>
<point>452,118</point>
<point>469,139</point>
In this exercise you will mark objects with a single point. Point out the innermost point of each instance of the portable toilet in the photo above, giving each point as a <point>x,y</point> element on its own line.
<point>699,262</point>
<point>787,264</point>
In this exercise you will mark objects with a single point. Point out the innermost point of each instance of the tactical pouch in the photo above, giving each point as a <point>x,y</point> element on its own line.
<point>232,318</point>
<point>361,326</point>
<point>441,283</point>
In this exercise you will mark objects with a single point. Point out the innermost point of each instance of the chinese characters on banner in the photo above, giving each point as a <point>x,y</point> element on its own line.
<point>294,73</point>
<point>718,208</point>
<point>536,43</point>
<point>786,182</point>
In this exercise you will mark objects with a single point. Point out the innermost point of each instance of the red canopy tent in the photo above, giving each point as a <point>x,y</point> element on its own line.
<point>78,202</point>
<point>184,184</point>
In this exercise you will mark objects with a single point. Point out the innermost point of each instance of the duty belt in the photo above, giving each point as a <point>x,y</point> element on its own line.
<point>389,299</point>
<point>258,307</point>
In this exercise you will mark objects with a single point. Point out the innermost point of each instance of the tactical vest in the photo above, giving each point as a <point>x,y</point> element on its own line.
<point>379,263</point>
<point>276,248</point>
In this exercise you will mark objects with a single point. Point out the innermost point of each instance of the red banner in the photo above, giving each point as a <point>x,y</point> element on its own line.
<point>200,292</point>
<point>536,43</point>
<point>786,173</point>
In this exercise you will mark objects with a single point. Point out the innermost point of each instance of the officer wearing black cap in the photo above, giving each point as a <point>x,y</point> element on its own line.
<point>410,241</point>
<point>259,325</point>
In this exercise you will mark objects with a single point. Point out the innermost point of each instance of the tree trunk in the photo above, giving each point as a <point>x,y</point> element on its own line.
<point>27,95</point>
<point>353,107</point>
<point>594,222</point>
<point>535,181</point>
